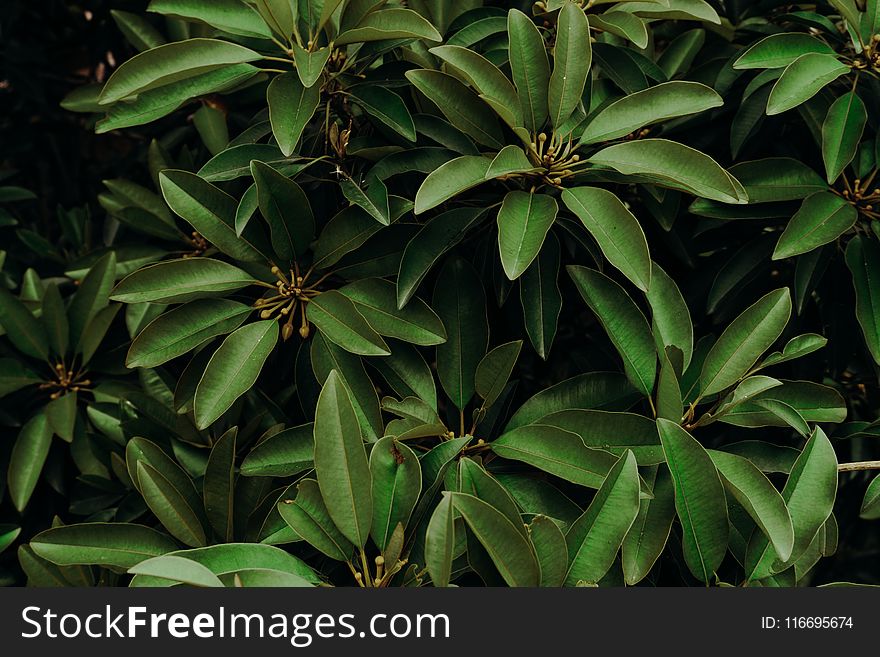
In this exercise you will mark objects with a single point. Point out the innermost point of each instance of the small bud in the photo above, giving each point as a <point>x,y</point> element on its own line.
<point>265,314</point>
<point>542,138</point>
<point>304,332</point>
<point>286,332</point>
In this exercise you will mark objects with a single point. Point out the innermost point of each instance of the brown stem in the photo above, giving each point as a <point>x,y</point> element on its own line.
<point>858,465</point>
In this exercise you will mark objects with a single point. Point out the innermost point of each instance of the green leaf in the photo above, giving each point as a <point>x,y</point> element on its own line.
<point>814,402</point>
<point>8,534</point>
<point>670,317</point>
<point>184,328</point>
<point>230,16</point>
<point>61,414</point>
<point>665,101</point>
<point>841,133</point>
<point>748,485</point>
<point>809,496</point>
<point>467,113</point>
<point>138,30</point>
<point>337,317</point>
<point>482,75</point>
<point>647,537</point>
<point>308,516</point>
<point>341,462</point>
<point>673,165</point>
<point>616,230</point>
<point>530,68</point>
<point>152,105</point>
<point>777,179</point>
<point>523,222</point>
<point>610,431</point>
<point>387,107</point>
<point>28,457</point>
<point>594,538</point>
<point>623,321</point>
<point>559,452</point>
<point>170,506</point>
<point>798,346</point>
<point>170,63</point>
<point>600,390</point>
<point>291,106</point>
<point>310,64</point>
<point>218,486</point>
<point>389,24</point>
<point>863,260</point>
<point>428,245</point>
<point>494,371</point>
<point>178,281</point>
<point>54,320</point>
<point>233,370</point>
<point>278,14</point>
<point>373,199</point>
<point>460,302</point>
<point>821,219</point>
<point>177,569</point>
<point>23,329</point>
<point>870,509</point>
<point>396,486</point>
<point>286,209</point>
<point>210,211</point>
<point>540,297</point>
<point>780,50</point>
<point>572,56</point>
<point>803,79</point>
<point>284,454</point>
<point>548,542</point>
<point>376,300</point>
<point>91,297</point>
<point>116,544</point>
<point>229,558</point>
<point>440,542</point>
<point>699,500</point>
<point>509,549</point>
<point>744,341</point>
<point>451,179</point>
<point>15,376</point>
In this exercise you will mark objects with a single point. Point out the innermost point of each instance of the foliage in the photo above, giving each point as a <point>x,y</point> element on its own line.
<point>432,293</point>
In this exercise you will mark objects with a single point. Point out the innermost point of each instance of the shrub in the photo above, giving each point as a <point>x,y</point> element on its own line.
<point>423,292</point>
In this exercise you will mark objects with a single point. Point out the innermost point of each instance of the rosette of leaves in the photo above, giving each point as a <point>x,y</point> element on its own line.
<point>61,376</point>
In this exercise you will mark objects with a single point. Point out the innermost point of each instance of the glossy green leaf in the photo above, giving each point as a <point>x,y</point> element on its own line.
<point>623,321</point>
<point>841,133</point>
<point>675,165</point>
<point>54,320</point>
<point>170,63</point>
<point>803,79</point>
<point>387,107</point>
<point>210,211</point>
<point>170,506</point>
<point>670,318</point>
<point>551,550</point>
<point>233,369</point>
<point>338,319</point>
<point>15,376</point>
<point>748,485</point>
<point>308,516</point>
<point>481,74</point>
<point>184,328</point>
<point>780,50</point>
<point>559,452</point>
<point>494,371</point>
<point>28,457</point>
<point>23,329</point>
<point>376,300</point>
<point>310,64</point>
<point>451,179</point>
<point>291,106</point>
<point>540,297</point>
<point>177,569</point>
<point>821,219</point>
<point>389,24</point>
<point>531,69</point>
<point>396,486</point>
<point>744,341</point>
<point>341,462</point>
<point>863,260</point>
<point>870,509</point>
<point>523,222</point>
<point>646,539</point>
<point>572,57</point>
<point>665,101</point>
<point>440,543</point>
<point>231,16</point>
<point>616,230</point>
<point>284,454</point>
<point>595,538</point>
<point>218,487</point>
<point>178,281</point>
<point>509,549</point>
<point>118,544</point>
<point>286,209</point>
<point>460,302</point>
<point>699,500</point>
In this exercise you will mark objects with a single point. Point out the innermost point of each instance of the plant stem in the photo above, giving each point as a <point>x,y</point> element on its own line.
<point>858,465</point>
